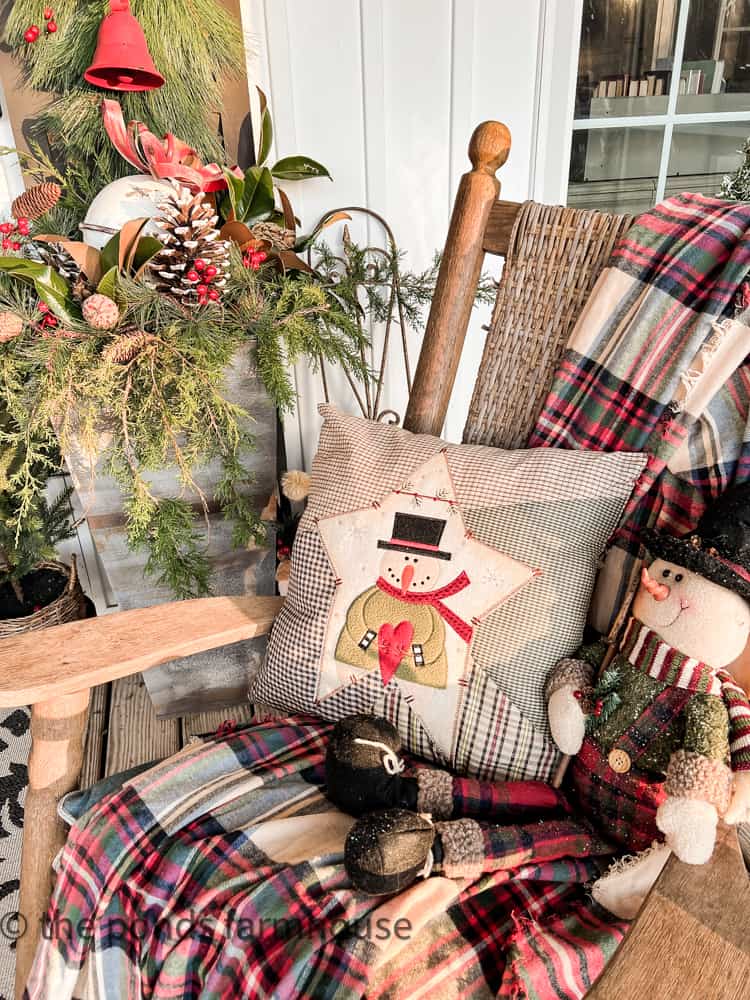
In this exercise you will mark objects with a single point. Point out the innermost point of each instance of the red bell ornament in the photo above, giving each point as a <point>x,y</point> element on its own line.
<point>122,60</point>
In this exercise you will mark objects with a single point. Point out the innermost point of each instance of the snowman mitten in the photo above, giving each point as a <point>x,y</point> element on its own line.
<point>567,691</point>
<point>386,851</point>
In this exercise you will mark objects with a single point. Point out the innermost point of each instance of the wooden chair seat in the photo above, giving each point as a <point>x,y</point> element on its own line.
<point>692,936</point>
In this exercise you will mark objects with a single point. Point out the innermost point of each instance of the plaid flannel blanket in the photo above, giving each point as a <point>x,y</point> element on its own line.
<point>219,874</point>
<point>658,362</point>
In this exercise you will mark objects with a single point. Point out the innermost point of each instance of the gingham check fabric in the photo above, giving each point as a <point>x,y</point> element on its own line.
<point>550,509</point>
<point>658,362</point>
<point>218,874</point>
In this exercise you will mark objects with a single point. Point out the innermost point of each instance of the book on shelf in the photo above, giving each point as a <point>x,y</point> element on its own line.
<point>652,84</point>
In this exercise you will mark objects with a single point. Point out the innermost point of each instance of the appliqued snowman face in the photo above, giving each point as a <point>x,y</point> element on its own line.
<point>411,573</point>
<point>694,615</point>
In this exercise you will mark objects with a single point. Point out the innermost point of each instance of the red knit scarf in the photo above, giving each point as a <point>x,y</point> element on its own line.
<point>435,599</point>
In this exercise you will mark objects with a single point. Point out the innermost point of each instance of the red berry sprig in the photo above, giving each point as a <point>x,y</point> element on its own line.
<point>47,320</point>
<point>10,232</point>
<point>202,274</point>
<point>33,31</point>
<point>254,258</point>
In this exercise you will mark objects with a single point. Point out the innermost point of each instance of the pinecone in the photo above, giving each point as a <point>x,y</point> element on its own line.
<point>57,257</point>
<point>101,312</point>
<point>127,346</point>
<point>187,228</point>
<point>275,236</point>
<point>36,201</point>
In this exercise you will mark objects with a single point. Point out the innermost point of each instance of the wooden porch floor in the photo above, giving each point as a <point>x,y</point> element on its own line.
<point>123,729</point>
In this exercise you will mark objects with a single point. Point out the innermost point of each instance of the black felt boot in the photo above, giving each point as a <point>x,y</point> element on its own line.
<point>388,850</point>
<point>363,769</point>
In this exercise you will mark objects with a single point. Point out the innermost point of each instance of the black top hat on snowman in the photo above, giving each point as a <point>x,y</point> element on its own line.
<point>417,535</point>
<point>719,548</point>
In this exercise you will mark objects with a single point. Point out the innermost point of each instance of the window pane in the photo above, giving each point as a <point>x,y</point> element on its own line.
<point>702,154</point>
<point>715,73</point>
<point>615,169</point>
<point>626,57</point>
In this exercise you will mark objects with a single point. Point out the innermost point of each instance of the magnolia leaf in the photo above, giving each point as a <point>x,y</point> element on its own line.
<point>50,287</point>
<point>108,285</point>
<point>258,200</point>
<point>325,222</point>
<point>289,220</point>
<point>297,168</point>
<point>110,256</point>
<point>266,130</point>
<point>291,262</point>
<point>235,191</point>
<point>146,248</point>
<point>128,242</point>
<point>237,232</point>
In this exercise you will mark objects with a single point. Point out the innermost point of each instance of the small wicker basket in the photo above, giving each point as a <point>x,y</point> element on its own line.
<point>68,607</point>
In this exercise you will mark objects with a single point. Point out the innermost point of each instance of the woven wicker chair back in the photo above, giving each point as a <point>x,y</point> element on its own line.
<point>554,258</point>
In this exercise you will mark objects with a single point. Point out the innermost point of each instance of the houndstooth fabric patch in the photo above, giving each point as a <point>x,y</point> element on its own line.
<point>436,585</point>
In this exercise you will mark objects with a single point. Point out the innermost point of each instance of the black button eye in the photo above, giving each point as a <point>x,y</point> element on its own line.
<point>666,573</point>
<point>678,577</point>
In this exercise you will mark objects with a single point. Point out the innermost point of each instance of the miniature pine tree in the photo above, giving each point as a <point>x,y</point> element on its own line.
<point>194,263</point>
<point>736,186</point>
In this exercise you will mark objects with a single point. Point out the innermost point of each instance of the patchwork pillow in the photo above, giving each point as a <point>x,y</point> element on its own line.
<point>437,584</point>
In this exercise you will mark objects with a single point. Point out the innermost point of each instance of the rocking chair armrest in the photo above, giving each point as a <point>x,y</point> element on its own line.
<point>691,937</point>
<point>37,666</point>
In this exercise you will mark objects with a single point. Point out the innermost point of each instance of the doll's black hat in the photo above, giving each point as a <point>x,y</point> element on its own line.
<point>719,548</point>
<point>416,534</point>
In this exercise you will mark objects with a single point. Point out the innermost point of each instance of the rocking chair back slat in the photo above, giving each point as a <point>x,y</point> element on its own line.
<point>555,256</point>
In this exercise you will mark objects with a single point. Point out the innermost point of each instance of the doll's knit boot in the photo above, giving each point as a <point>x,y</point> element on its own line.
<point>364,772</point>
<point>386,851</point>
<point>363,769</point>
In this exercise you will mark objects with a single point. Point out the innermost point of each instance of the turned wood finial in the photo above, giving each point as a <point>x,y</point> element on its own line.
<point>489,146</point>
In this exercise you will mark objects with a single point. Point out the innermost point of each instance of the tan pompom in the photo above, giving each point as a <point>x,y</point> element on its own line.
<point>295,485</point>
<point>36,201</point>
<point>11,326</point>
<point>101,312</point>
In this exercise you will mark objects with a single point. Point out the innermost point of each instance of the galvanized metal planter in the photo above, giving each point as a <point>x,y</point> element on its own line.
<point>218,678</point>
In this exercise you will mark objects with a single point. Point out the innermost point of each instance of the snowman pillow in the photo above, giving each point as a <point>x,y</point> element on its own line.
<point>436,585</point>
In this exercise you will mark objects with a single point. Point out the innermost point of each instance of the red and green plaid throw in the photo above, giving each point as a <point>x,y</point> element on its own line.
<point>658,362</point>
<point>219,874</point>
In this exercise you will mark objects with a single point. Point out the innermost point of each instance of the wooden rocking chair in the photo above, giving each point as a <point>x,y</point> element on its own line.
<point>692,936</point>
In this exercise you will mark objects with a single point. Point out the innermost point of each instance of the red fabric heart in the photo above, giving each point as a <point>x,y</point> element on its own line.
<point>393,643</point>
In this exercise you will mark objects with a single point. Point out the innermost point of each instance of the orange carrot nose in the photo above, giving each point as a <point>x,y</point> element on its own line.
<point>407,575</point>
<point>659,591</point>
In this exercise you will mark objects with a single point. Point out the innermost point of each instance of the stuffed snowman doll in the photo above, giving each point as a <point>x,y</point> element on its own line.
<point>662,738</point>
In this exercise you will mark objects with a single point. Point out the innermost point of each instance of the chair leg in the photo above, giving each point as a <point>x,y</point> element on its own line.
<point>57,733</point>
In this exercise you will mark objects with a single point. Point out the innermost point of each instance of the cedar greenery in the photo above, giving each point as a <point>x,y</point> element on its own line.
<point>154,386</point>
<point>200,35</point>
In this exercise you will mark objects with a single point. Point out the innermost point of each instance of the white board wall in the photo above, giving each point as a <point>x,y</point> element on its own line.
<point>386,93</point>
